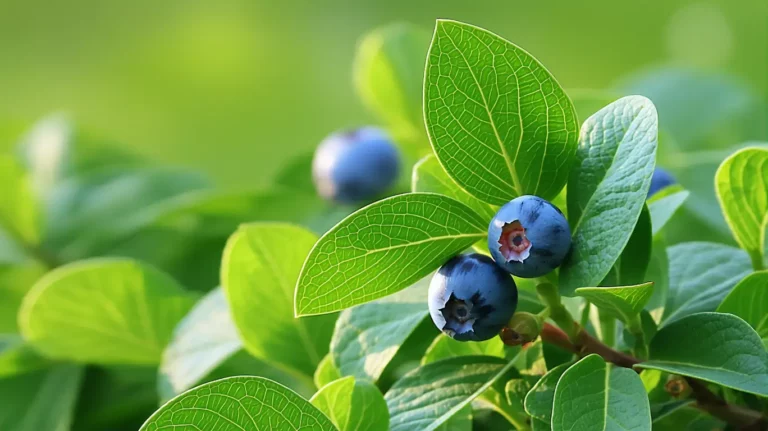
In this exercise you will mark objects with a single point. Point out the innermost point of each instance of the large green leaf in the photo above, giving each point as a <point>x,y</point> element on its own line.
<point>540,399</point>
<point>40,401</point>
<point>719,348</point>
<point>700,275</point>
<point>658,273</point>
<point>749,300</point>
<point>19,212</point>
<point>429,176</point>
<point>499,122</point>
<point>204,339</point>
<point>430,395</point>
<point>624,303</point>
<point>104,311</point>
<point>384,248</point>
<point>368,336</point>
<point>15,282</point>
<point>388,74</point>
<point>353,405</point>
<point>742,188</point>
<point>444,347</point>
<point>594,395</point>
<point>607,187</point>
<point>259,270</point>
<point>87,214</point>
<point>664,204</point>
<point>236,404</point>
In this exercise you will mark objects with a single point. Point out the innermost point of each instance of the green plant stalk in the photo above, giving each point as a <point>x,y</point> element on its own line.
<point>607,329</point>
<point>757,261</point>
<point>640,349</point>
<point>550,297</point>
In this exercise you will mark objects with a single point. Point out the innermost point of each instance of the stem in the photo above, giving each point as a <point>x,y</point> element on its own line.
<point>551,298</point>
<point>741,417</point>
<point>607,329</point>
<point>640,348</point>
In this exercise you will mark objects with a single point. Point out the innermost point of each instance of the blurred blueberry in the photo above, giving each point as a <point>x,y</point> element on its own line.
<point>529,237</point>
<point>471,298</point>
<point>659,180</point>
<point>355,166</point>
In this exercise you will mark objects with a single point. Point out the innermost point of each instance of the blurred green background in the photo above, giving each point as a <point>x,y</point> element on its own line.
<point>234,88</point>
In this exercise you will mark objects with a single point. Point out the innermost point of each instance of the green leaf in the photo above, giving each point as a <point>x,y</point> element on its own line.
<point>664,204</point>
<point>444,347</point>
<point>539,400</point>
<point>624,303</point>
<point>384,248</point>
<point>239,403</point>
<point>499,122</point>
<point>19,212</point>
<point>700,275</point>
<point>367,337</point>
<point>658,273</point>
<point>204,339</point>
<point>725,350</point>
<point>259,270</point>
<point>429,176</point>
<point>15,282</point>
<point>86,214</point>
<point>607,188</point>
<point>594,395</point>
<point>741,185</point>
<point>353,405</point>
<point>388,74</point>
<point>17,356</point>
<point>429,395</point>
<point>40,401</point>
<point>103,311</point>
<point>326,371</point>
<point>631,266</point>
<point>749,300</point>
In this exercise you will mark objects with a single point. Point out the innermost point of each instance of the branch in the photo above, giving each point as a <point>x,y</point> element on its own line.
<point>740,417</point>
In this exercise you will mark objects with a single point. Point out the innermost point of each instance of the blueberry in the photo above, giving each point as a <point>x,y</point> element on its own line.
<point>355,166</point>
<point>659,180</point>
<point>529,237</point>
<point>471,298</point>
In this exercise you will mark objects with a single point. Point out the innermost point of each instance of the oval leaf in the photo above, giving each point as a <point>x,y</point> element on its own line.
<point>429,176</point>
<point>104,311</point>
<point>631,266</point>
<point>700,275</point>
<point>258,272</point>
<point>203,340</point>
<point>430,395</point>
<point>594,395</point>
<point>367,337</point>
<point>664,204</point>
<point>19,212</point>
<point>326,372</point>
<point>384,248</point>
<point>444,347</point>
<point>749,300</point>
<point>239,403</point>
<point>499,122</point>
<point>607,188</point>
<point>353,405</point>
<point>539,400</point>
<point>43,400</point>
<point>741,185</point>
<point>724,350</point>
<point>388,73</point>
<point>624,303</point>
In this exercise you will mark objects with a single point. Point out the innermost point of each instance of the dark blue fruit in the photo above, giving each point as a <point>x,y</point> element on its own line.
<point>471,298</point>
<point>529,237</point>
<point>355,166</point>
<point>660,180</point>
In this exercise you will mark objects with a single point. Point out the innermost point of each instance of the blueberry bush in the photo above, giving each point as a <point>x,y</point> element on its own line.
<point>499,253</point>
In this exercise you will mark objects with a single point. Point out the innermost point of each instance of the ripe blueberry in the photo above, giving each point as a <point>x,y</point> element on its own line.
<point>529,237</point>
<point>659,180</point>
<point>471,298</point>
<point>355,166</point>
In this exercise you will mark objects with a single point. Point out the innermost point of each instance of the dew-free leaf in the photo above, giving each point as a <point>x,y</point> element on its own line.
<point>353,405</point>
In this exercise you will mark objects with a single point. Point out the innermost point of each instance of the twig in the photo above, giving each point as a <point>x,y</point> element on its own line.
<point>585,344</point>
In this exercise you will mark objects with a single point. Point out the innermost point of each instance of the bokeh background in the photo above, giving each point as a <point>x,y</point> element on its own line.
<point>235,88</point>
